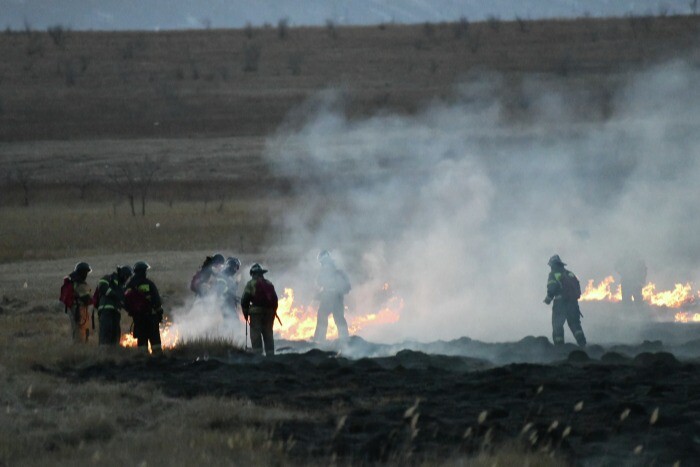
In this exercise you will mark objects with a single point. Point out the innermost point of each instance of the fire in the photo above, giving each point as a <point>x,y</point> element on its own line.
<point>686,317</point>
<point>676,298</point>
<point>299,321</point>
<point>602,291</point>
<point>681,295</point>
<point>169,337</point>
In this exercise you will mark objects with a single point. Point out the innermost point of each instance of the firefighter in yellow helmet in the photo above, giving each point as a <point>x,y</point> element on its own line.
<point>564,289</point>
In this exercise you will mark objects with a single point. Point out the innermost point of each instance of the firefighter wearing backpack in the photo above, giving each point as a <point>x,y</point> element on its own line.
<point>109,299</point>
<point>332,285</point>
<point>76,296</point>
<point>144,305</point>
<point>564,289</point>
<point>259,304</point>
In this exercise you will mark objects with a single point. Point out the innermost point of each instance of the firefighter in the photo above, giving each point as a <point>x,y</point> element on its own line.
<point>332,285</point>
<point>204,279</point>
<point>564,289</point>
<point>109,299</point>
<point>226,285</point>
<point>633,277</point>
<point>76,295</point>
<point>144,305</point>
<point>259,305</point>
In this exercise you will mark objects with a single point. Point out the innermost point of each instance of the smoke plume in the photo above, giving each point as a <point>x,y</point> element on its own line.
<point>459,207</point>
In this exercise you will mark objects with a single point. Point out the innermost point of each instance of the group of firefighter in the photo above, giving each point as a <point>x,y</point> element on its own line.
<point>128,289</point>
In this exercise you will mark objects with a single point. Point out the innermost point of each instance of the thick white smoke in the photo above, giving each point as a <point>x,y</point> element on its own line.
<point>459,207</point>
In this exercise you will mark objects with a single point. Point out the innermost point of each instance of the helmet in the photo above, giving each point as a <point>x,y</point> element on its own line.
<point>233,264</point>
<point>555,260</point>
<point>323,256</point>
<point>217,259</point>
<point>82,267</point>
<point>124,272</point>
<point>141,266</point>
<point>256,269</point>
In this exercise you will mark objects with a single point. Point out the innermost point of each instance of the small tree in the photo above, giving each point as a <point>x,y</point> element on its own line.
<point>283,28</point>
<point>461,28</point>
<point>135,180</point>
<point>23,179</point>
<point>694,6</point>
<point>331,29</point>
<point>58,35</point>
<point>248,30</point>
<point>251,57</point>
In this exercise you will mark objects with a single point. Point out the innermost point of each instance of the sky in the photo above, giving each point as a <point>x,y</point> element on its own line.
<point>198,14</point>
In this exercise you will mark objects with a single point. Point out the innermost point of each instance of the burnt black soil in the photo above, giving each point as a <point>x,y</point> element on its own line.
<point>363,409</point>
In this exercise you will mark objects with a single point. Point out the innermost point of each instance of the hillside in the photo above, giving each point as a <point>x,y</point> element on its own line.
<point>85,85</point>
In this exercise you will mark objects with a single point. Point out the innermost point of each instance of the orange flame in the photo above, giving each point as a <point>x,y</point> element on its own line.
<point>602,291</point>
<point>681,295</point>
<point>299,321</point>
<point>169,337</point>
<point>686,317</point>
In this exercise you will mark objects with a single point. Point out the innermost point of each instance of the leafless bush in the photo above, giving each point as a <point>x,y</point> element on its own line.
<point>283,28</point>
<point>522,24</point>
<point>134,180</point>
<point>294,63</point>
<point>58,34</point>
<point>35,45</point>
<point>248,30</point>
<point>494,23</point>
<point>694,6</point>
<point>429,30</point>
<point>475,41</point>
<point>461,28</point>
<point>331,29</point>
<point>251,58</point>
<point>23,179</point>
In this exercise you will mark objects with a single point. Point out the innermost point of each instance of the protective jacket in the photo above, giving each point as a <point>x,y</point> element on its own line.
<point>142,296</point>
<point>259,296</point>
<point>110,292</point>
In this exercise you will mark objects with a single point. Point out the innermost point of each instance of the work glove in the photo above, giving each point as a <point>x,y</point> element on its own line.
<point>547,300</point>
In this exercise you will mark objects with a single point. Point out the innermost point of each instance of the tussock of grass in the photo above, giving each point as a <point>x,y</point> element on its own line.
<point>220,347</point>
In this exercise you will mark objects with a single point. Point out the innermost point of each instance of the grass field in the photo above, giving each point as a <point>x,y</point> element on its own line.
<point>78,107</point>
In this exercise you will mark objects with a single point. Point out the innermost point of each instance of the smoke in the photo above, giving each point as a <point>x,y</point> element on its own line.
<point>459,207</point>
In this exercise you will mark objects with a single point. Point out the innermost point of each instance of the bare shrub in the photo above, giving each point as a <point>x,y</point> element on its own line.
<point>494,23</point>
<point>461,28</point>
<point>693,6</point>
<point>294,63</point>
<point>331,29</point>
<point>429,30</point>
<point>283,28</point>
<point>248,30</point>
<point>475,41</point>
<point>522,24</point>
<point>251,58</point>
<point>58,34</point>
<point>23,179</point>
<point>134,180</point>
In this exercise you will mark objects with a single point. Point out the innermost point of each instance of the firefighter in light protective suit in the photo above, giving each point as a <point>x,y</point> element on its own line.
<point>564,289</point>
<point>80,302</point>
<point>332,285</point>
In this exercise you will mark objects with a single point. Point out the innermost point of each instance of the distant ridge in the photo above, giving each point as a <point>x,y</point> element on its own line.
<point>185,14</point>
